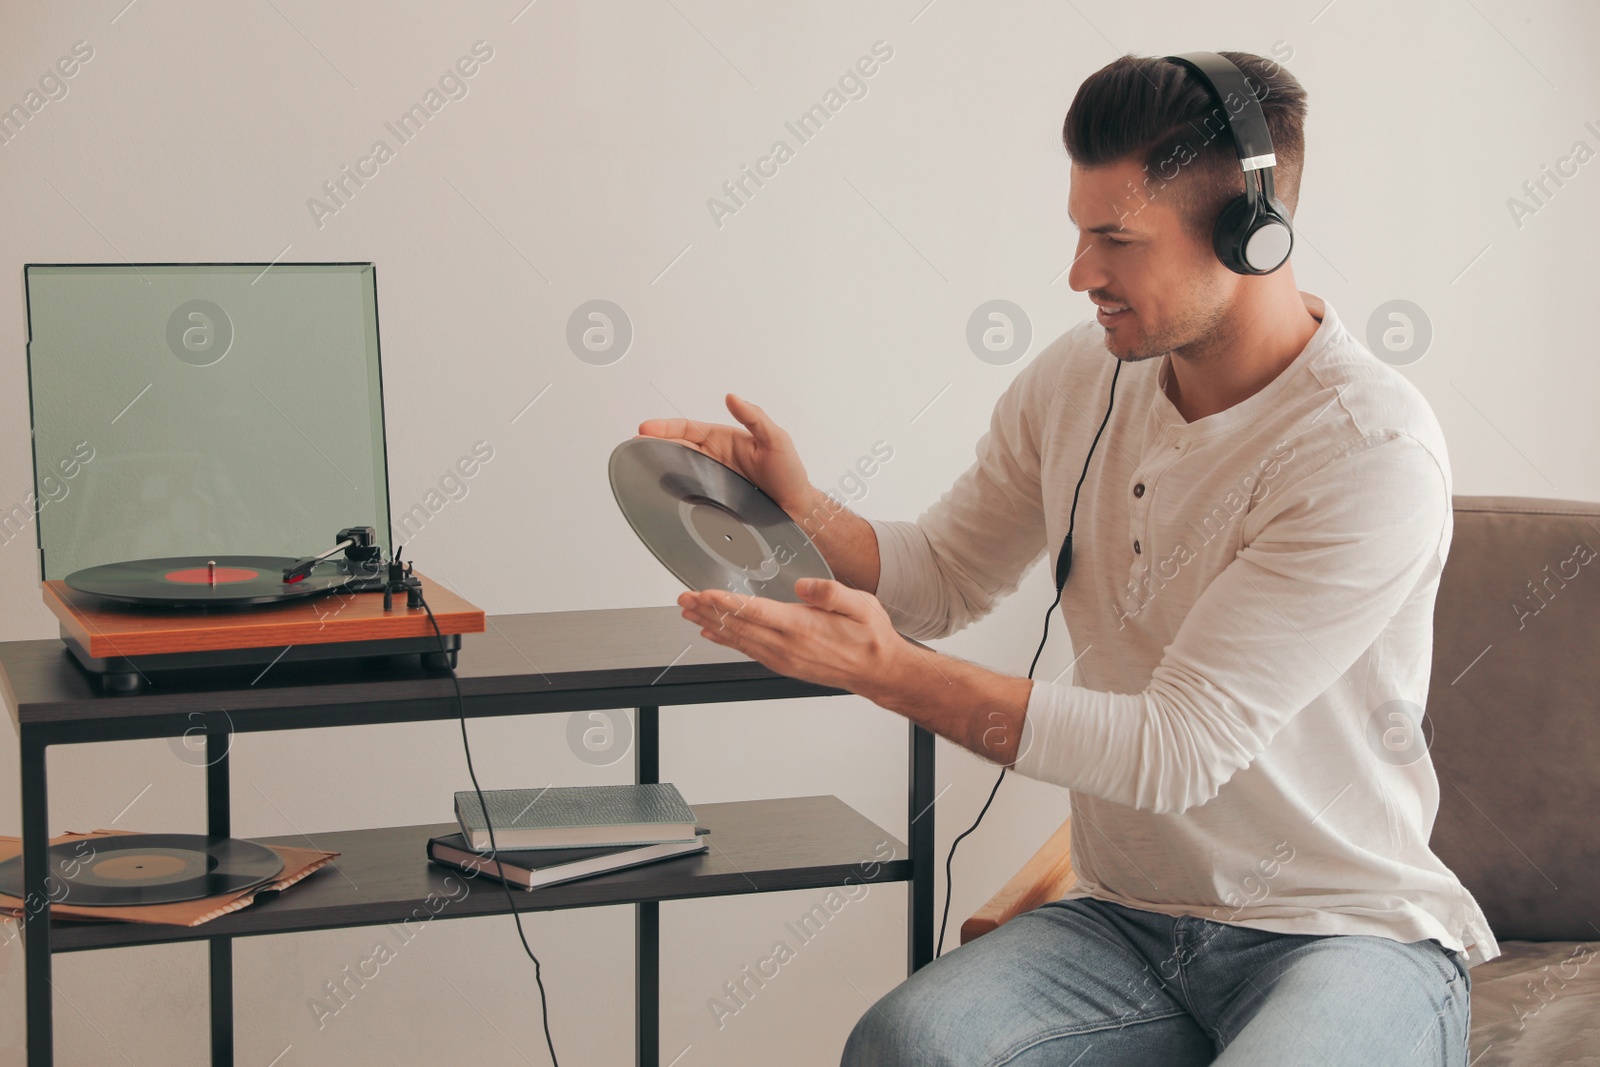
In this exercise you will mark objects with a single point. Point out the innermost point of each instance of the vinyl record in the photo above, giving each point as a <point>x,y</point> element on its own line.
<point>707,524</point>
<point>193,581</point>
<point>126,869</point>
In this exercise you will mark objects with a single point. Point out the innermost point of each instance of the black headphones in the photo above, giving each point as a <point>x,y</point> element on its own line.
<point>1253,234</point>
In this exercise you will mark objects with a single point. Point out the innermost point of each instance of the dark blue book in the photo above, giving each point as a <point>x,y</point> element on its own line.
<point>534,868</point>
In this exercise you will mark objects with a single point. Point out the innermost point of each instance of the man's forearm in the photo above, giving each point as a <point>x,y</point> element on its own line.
<point>979,709</point>
<point>845,539</point>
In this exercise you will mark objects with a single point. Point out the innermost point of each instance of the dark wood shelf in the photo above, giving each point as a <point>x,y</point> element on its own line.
<point>522,664</point>
<point>642,658</point>
<point>383,875</point>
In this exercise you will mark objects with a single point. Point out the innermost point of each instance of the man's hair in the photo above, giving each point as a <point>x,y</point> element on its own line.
<point>1161,115</point>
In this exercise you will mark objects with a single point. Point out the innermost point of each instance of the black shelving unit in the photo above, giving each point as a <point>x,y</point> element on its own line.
<point>528,664</point>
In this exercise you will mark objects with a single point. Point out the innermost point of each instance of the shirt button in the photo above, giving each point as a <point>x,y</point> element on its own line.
<point>1138,490</point>
<point>1136,547</point>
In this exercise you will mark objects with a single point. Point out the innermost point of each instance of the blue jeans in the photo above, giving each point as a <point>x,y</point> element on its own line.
<point>1083,982</point>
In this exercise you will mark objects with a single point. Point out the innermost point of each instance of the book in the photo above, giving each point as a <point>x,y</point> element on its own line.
<point>576,816</point>
<point>534,868</point>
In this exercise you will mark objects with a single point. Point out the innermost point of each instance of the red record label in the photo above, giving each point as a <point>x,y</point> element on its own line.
<point>203,575</point>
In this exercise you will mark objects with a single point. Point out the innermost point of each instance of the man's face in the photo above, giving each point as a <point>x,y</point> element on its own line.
<point>1175,289</point>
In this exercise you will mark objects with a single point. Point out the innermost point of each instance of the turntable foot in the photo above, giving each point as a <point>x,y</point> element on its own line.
<point>120,683</point>
<point>439,661</point>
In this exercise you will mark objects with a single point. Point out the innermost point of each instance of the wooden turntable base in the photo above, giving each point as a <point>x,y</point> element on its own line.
<point>119,640</point>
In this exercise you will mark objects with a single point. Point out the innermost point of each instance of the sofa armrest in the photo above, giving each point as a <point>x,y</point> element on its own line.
<point>1045,877</point>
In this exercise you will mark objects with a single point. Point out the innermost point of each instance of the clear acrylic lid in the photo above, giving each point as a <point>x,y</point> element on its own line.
<point>202,409</point>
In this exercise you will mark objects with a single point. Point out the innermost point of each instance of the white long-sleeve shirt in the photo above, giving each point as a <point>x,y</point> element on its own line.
<point>1251,601</point>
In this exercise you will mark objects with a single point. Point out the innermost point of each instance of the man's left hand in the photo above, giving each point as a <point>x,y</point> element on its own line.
<point>839,637</point>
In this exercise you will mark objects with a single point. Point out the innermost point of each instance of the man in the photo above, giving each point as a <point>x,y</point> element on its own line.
<point>1259,539</point>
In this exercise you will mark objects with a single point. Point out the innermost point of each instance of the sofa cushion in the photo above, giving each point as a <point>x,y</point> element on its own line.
<point>1537,1004</point>
<point>1513,713</point>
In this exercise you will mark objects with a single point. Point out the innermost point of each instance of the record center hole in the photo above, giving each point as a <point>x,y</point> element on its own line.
<point>727,536</point>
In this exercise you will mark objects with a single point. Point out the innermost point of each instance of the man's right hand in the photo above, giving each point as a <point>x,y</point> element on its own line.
<point>762,451</point>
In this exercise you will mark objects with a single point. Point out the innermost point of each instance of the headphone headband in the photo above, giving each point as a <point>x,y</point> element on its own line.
<point>1249,126</point>
<point>1253,234</point>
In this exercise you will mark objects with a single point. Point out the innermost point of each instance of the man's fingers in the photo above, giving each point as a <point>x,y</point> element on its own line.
<point>818,592</point>
<point>830,596</point>
<point>662,427</point>
<point>759,611</point>
<point>729,602</point>
<point>679,440</point>
<point>687,429</point>
<point>753,419</point>
<point>699,436</point>
<point>760,644</point>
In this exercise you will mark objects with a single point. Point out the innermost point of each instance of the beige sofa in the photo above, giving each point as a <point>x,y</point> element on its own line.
<point>1513,723</point>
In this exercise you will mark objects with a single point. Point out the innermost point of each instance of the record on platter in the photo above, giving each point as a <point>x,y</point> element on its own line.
<point>202,581</point>
<point>127,869</point>
<point>709,525</point>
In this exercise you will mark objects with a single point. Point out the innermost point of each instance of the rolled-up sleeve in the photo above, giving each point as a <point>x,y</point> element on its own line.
<point>1336,556</point>
<point>969,550</point>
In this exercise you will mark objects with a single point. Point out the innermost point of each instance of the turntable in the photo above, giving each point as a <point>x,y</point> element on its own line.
<point>197,427</point>
<point>126,621</point>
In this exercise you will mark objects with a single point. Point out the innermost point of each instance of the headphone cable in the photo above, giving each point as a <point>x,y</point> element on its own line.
<point>461,708</point>
<point>1064,567</point>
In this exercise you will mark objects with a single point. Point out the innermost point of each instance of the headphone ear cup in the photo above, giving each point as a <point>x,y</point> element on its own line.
<point>1230,234</point>
<point>1252,242</point>
<point>1267,248</point>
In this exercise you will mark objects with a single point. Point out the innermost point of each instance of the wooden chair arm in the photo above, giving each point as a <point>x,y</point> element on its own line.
<point>1045,877</point>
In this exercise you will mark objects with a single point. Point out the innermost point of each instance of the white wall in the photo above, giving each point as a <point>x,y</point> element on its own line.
<point>577,167</point>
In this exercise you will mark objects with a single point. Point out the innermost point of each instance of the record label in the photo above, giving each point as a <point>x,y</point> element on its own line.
<point>212,575</point>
